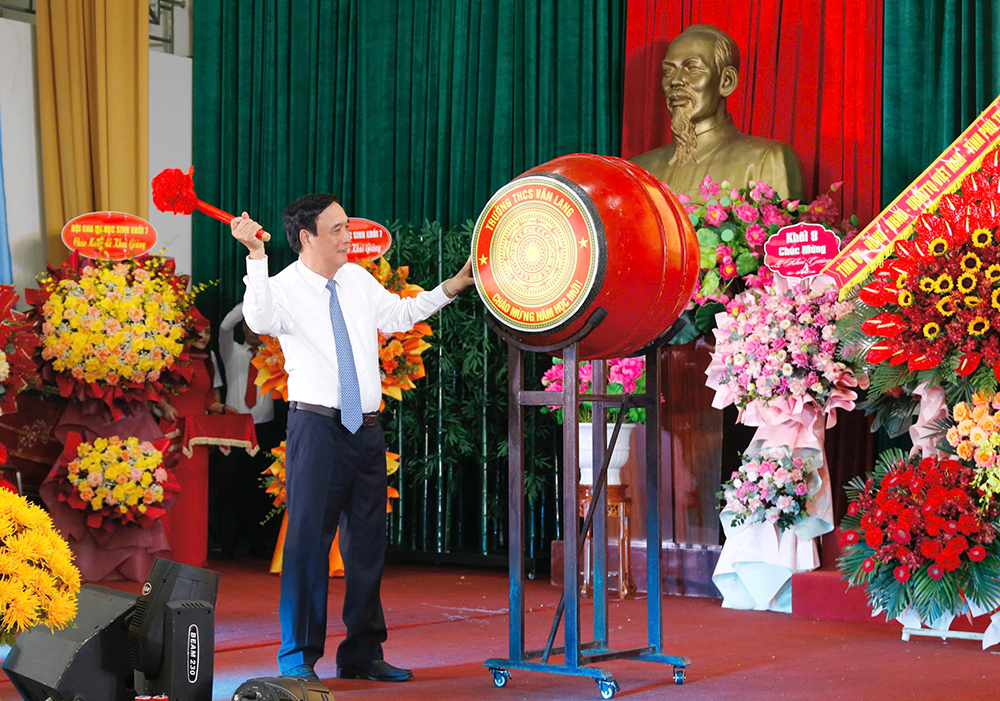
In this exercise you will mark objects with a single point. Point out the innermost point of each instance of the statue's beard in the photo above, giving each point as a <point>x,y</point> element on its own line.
<point>685,137</point>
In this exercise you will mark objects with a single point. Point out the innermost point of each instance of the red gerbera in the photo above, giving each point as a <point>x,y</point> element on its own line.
<point>935,572</point>
<point>868,565</point>
<point>929,548</point>
<point>874,537</point>
<point>948,559</point>
<point>958,544</point>
<point>851,537</point>
<point>902,573</point>
<point>968,524</point>
<point>977,553</point>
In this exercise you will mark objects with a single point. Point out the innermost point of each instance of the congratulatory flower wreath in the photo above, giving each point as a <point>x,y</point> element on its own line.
<point>114,331</point>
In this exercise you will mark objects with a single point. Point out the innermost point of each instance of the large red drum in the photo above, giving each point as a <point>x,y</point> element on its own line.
<point>582,232</point>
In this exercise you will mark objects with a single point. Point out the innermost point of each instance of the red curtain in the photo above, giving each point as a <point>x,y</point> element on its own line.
<point>810,76</point>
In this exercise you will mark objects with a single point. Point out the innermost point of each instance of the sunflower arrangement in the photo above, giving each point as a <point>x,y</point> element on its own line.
<point>113,330</point>
<point>115,479</point>
<point>38,581</point>
<point>932,311</point>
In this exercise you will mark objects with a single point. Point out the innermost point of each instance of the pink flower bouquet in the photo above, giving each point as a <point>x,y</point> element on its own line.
<point>625,376</point>
<point>732,227</point>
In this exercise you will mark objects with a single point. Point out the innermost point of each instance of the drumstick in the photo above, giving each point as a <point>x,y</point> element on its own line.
<point>173,191</point>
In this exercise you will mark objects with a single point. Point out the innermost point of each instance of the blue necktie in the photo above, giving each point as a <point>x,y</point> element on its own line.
<point>350,390</point>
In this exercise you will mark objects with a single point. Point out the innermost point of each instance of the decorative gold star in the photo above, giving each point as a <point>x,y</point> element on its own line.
<point>583,243</point>
<point>482,259</point>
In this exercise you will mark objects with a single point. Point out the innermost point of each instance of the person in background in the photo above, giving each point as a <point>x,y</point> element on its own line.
<point>238,502</point>
<point>203,393</point>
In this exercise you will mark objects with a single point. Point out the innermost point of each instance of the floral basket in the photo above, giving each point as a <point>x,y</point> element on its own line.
<point>38,581</point>
<point>116,481</point>
<point>732,227</point>
<point>113,331</point>
<point>625,376</point>
<point>772,486</point>
<point>917,537</point>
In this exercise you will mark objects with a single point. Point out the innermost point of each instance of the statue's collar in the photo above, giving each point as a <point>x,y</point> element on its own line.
<point>712,137</point>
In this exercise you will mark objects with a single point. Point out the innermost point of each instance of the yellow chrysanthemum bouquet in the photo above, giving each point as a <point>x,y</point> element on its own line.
<point>38,581</point>
<point>115,479</point>
<point>113,330</point>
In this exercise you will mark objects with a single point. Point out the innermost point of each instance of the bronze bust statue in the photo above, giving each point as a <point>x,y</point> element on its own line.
<point>700,70</point>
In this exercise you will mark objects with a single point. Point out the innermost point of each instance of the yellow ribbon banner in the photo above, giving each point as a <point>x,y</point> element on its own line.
<point>874,244</point>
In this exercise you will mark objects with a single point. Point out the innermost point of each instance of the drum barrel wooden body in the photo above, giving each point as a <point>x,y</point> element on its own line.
<point>582,232</point>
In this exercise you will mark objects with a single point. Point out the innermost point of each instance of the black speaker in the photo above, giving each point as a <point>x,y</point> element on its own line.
<point>282,689</point>
<point>87,662</point>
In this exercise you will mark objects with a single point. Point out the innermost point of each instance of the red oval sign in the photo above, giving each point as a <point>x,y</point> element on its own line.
<point>109,235</point>
<point>369,239</point>
<point>800,250</point>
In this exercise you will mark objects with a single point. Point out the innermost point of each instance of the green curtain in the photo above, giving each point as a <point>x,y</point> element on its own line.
<point>941,68</point>
<point>410,110</point>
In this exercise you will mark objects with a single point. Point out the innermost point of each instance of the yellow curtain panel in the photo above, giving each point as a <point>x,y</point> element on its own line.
<point>93,85</point>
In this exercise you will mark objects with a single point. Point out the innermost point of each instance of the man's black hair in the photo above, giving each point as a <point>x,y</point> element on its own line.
<point>301,214</point>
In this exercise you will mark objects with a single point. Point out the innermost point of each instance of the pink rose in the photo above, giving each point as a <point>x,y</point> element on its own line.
<point>801,489</point>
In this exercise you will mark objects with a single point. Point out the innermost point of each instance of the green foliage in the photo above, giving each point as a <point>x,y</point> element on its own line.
<point>451,431</point>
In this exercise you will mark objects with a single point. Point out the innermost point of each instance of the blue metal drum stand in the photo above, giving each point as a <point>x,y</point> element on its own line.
<point>579,656</point>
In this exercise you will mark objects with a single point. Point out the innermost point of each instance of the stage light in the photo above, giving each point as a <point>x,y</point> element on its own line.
<point>172,632</point>
<point>282,689</point>
<point>120,647</point>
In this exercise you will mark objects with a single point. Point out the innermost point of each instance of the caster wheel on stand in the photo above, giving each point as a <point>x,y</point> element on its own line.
<point>679,675</point>
<point>500,677</point>
<point>608,688</point>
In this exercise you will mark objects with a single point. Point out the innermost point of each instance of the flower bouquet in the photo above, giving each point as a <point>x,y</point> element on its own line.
<point>113,331</point>
<point>38,581</point>
<point>919,539</point>
<point>117,480</point>
<point>625,376</point>
<point>775,360</point>
<point>776,351</point>
<point>771,486</point>
<point>18,343</point>
<point>732,227</point>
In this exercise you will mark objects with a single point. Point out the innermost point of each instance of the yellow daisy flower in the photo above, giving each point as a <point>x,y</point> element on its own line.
<point>978,326</point>
<point>931,330</point>
<point>981,238</point>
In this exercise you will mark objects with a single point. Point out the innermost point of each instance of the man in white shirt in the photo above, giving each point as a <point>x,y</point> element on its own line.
<point>326,313</point>
<point>237,503</point>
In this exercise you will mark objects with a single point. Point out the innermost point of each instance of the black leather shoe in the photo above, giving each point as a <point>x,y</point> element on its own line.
<point>303,671</point>
<point>375,670</point>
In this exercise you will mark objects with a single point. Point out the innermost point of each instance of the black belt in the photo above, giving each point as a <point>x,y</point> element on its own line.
<point>369,419</point>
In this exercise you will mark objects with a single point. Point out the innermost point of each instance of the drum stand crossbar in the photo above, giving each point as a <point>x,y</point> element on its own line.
<point>577,654</point>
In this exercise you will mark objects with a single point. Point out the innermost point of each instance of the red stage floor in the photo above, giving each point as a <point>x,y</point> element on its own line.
<point>444,622</point>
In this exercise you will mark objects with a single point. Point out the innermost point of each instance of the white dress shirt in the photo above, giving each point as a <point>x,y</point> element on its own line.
<point>294,306</point>
<point>237,358</point>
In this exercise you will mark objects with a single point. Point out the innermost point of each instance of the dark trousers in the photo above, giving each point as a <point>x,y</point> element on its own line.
<point>329,473</point>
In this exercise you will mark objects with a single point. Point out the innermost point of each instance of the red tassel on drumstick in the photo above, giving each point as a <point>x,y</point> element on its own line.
<point>173,191</point>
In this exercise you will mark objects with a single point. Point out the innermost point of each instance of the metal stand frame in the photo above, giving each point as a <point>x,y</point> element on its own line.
<point>580,654</point>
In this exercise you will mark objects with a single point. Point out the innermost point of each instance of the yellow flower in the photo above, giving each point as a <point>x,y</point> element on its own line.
<point>993,273</point>
<point>966,283</point>
<point>982,238</point>
<point>927,284</point>
<point>938,247</point>
<point>905,298</point>
<point>995,299</point>
<point>971,262</point>
<point>978,326</point>
<point>972,301</point>
<point>944,284</point>
<point>946,306</point>
<point>931,330</point>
